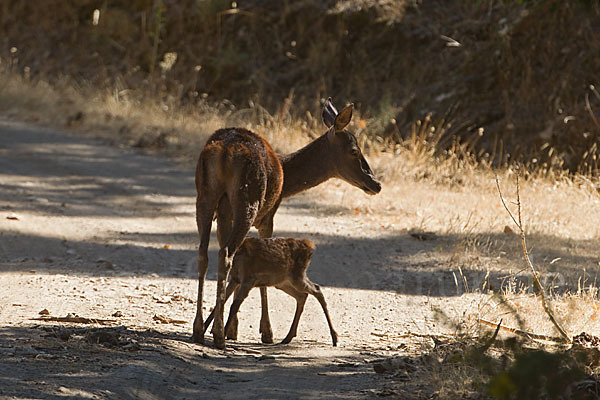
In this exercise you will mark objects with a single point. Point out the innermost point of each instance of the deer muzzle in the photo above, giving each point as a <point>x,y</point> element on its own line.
<point>372,186</point>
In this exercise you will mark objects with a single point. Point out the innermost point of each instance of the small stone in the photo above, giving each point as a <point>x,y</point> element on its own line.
<point>13,216</point>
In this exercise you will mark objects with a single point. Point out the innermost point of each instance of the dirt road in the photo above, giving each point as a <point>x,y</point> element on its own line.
<point>108,234</point>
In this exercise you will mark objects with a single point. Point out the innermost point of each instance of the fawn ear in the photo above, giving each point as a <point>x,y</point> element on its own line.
<point>343,118</point>
<point>329,113</point>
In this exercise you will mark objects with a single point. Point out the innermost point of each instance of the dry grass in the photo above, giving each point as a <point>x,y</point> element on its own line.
<point>519,72</point>
<point>449,193</point>
<point>460,368</point>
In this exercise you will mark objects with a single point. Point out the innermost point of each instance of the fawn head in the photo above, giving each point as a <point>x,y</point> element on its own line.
<point>348,158</point>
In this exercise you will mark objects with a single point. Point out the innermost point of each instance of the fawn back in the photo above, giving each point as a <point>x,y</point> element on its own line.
<point>271,262</point>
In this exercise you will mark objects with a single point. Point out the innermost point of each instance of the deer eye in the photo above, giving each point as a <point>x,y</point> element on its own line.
<point>355,151</point>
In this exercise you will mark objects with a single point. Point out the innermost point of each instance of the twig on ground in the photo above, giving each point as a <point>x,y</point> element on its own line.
<point>76,319</point>
<point>166,320</point>
<point>521,332</point>
<point>488,343</point>
<point>412,334</point>
<point>536,281</point>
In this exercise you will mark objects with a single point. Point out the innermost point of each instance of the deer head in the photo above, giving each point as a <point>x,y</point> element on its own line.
<point>350,164</point>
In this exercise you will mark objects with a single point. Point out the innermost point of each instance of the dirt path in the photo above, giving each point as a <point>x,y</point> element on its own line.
<point>103,233</point>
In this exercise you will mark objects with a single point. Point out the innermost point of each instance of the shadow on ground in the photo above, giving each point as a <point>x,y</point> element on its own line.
<point>54,173</point>
<point>398,263</point>
<point>39,170</point>
<point>117,362</point>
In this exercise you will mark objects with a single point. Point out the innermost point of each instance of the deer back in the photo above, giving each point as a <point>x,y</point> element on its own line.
<point>242,165</point>
<point>271,262</point>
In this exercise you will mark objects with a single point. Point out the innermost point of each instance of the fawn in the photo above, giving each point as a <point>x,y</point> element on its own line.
<point>275,262</point>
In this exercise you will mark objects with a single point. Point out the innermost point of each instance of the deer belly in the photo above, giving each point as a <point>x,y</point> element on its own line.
<point>266,279</point>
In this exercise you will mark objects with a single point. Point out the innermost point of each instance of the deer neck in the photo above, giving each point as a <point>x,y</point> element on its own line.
<point>307,167</point>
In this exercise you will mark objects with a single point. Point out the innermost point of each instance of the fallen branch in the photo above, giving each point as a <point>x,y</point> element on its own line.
<point>491,340</point>
<point>76,319</point>
<point>412,334</point>
<point>536,281</point>
<point>521,332</point>
<point>166,320</point>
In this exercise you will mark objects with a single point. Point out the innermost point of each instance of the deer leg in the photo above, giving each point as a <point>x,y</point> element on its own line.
<point>300,301</point>
<point>266,332</point>
<point>224,228</point>
<point>239,298</point>
<point>231,327</point>
<point>244,214</point>
<point>224,221</point>
<point>225,261</point>
<point>231,287</point>
<point>204,216</point>
<point>315,290</point>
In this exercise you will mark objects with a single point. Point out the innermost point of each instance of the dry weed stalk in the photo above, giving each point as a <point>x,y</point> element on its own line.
<point>536,281</point>
<point>520,332</point>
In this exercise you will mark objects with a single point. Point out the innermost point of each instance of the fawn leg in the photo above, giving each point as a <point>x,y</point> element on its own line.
<point>231,327</point>
<point>244,213</point>
<point>300,301</point>
<point>266,332</point>
<point>315,290</point>
<point>231,287</point>
<point>239,298</point>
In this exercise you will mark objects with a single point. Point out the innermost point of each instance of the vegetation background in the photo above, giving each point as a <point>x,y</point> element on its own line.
<point>510,80</point>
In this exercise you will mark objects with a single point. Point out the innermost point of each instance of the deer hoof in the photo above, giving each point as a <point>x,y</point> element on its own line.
<point>266,334</point>
<point>219,343</point>
<point>267,338</point>
<point>231,333</point>
<point>286,340</point>
<point>198,338</point>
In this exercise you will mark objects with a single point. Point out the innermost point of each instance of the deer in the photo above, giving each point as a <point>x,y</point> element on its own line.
<point>241,181</point>
<point>278,262</point>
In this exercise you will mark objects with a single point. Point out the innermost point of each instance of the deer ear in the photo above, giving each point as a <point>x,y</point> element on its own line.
<point>343,118</point>
<point>329,113</point>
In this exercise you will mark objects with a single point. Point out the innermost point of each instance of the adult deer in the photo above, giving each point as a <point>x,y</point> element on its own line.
<point>241,180</point>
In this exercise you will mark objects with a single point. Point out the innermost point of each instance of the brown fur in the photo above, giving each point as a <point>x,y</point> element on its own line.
<point>281,263</point>
<point>238,162</point>
<point>241,180</point>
